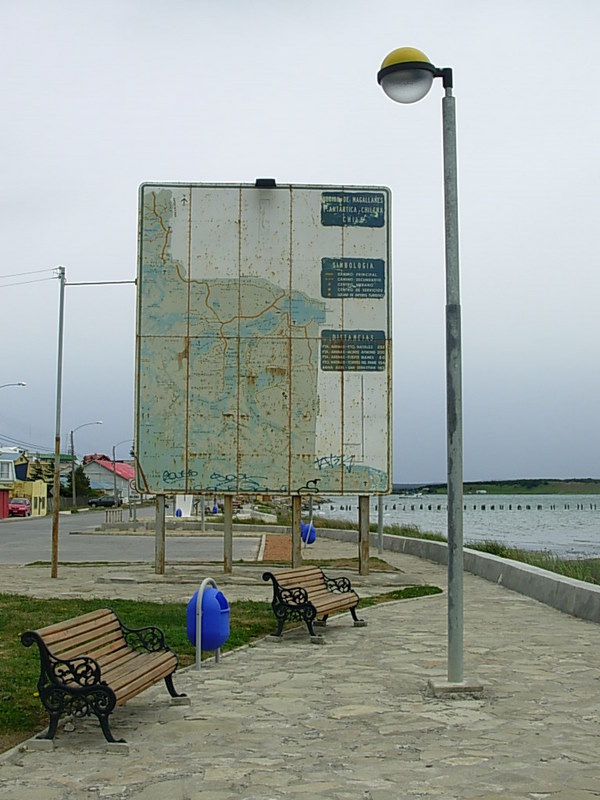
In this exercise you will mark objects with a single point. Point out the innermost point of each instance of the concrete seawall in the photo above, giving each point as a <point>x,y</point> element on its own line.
<point>578,598</point>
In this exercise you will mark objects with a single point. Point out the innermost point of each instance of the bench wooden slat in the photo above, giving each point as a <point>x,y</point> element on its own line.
<point>298,574</point>
<point>85,646</point>
<point>116,661</point>
<point>329,606</point>
<point>129,663</point>
<point>70,623</point>
<point>146,678</point>
<point>111,656</point>
<point>124,674</point>
<point>86,632</point>
<point>110,650</point>
<point>79,626</point>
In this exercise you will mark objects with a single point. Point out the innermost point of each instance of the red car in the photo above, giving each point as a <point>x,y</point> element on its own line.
<point>19,507</point>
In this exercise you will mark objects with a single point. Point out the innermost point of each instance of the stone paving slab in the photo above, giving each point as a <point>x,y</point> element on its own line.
<point>352,719</point>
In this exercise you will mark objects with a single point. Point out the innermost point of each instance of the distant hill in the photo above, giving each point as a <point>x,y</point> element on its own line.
<point>517,486</point>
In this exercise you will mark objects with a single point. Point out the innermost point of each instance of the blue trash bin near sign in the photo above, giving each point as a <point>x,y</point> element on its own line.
<point>307,532</point>
<point>214,621</point>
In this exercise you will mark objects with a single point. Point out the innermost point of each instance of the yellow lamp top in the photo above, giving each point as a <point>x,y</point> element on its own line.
<point>402,55</point>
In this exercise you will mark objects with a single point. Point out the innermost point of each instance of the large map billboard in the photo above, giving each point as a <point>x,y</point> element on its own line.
<point>263,339</point>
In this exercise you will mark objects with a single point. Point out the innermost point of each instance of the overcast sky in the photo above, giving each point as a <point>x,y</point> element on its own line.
<point>98,97</point>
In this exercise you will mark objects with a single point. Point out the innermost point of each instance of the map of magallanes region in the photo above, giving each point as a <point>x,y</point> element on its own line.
<point>263,352</point>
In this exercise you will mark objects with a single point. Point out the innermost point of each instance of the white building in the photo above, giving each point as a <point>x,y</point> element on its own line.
<point>103,474</point>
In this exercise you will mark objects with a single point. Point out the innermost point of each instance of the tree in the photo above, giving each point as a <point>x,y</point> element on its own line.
<point>41,470</point>
<point>82,484</point>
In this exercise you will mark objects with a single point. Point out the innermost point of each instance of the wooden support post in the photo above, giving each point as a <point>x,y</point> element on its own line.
<point>296,531</point>
<point>363,534</point>
<point>159,538</point>
<point>228,533</point>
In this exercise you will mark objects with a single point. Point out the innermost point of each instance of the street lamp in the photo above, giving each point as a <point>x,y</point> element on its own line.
<point>406,75</point>
<point>85,424</point>
<point>20,383</point>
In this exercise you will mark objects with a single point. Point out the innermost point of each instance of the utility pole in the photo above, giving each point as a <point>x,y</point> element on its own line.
<point>56,491</point>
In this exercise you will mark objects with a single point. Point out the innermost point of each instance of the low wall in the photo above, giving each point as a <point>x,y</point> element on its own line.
<point>578,598</point>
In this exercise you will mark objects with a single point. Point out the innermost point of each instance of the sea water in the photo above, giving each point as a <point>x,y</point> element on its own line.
<point>565,525</point>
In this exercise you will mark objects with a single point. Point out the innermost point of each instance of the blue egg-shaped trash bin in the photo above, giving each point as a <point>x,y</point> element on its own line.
<point>308,532</point>
<point>214,621</point>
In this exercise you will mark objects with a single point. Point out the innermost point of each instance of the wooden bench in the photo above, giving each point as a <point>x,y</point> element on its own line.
<point>93,663</point>
<point>306,594</point>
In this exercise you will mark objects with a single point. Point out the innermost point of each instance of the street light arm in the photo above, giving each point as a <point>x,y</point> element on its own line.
<point>85,424</point>
<point>446,76</point>
<point>115,467</point>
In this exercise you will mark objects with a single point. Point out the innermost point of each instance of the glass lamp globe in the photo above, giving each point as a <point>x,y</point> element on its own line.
<point>406,75</point>
<point>407,85</point>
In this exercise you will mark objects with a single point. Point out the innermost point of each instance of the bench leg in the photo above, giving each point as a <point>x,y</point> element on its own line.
<point>171,688</point>
<point>281,617</point>
<point>358,623</point>
<point>103,719</point>
<point>322,622</point>
<point>52,726</point>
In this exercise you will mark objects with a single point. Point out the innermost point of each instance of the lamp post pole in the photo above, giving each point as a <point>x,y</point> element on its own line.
<point>114,460</point>
<point>73,491</point>
<point>56,489</point>
<point>115,477</point>
<point>73,487</point>
<point>406,76</point>
<point>453,396</point>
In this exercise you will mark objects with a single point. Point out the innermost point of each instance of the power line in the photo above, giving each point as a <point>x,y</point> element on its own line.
<point>31,272</point>
<point>22,283</point>
<point>27,445</point>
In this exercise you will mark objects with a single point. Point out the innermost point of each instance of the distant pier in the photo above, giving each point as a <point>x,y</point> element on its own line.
<point>470,506</point>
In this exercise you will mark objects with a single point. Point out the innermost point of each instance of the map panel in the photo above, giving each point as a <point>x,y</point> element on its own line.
<point>254,374</point>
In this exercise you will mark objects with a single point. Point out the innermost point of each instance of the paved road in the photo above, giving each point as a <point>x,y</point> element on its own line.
<point>25,540</point>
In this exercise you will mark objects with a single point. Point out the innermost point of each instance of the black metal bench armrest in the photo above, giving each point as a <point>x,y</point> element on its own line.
<point>296,596</point>
<point>293,595</point>
<point>149,638</point>
<point>337,584</point>
<point>82,671</point>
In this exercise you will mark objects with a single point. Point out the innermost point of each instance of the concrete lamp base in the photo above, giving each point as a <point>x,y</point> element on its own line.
<point>440,688</point>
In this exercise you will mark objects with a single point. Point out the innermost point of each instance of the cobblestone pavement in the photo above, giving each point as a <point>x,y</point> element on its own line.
<point>352,719</point>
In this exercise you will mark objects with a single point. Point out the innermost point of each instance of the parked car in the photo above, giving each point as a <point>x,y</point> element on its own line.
<point>107,501</point>
<point>19,507</point>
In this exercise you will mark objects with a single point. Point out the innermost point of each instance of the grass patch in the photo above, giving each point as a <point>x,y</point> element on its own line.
<point>407,593</point>
<point>582,569</point>
<point>21,712</point>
